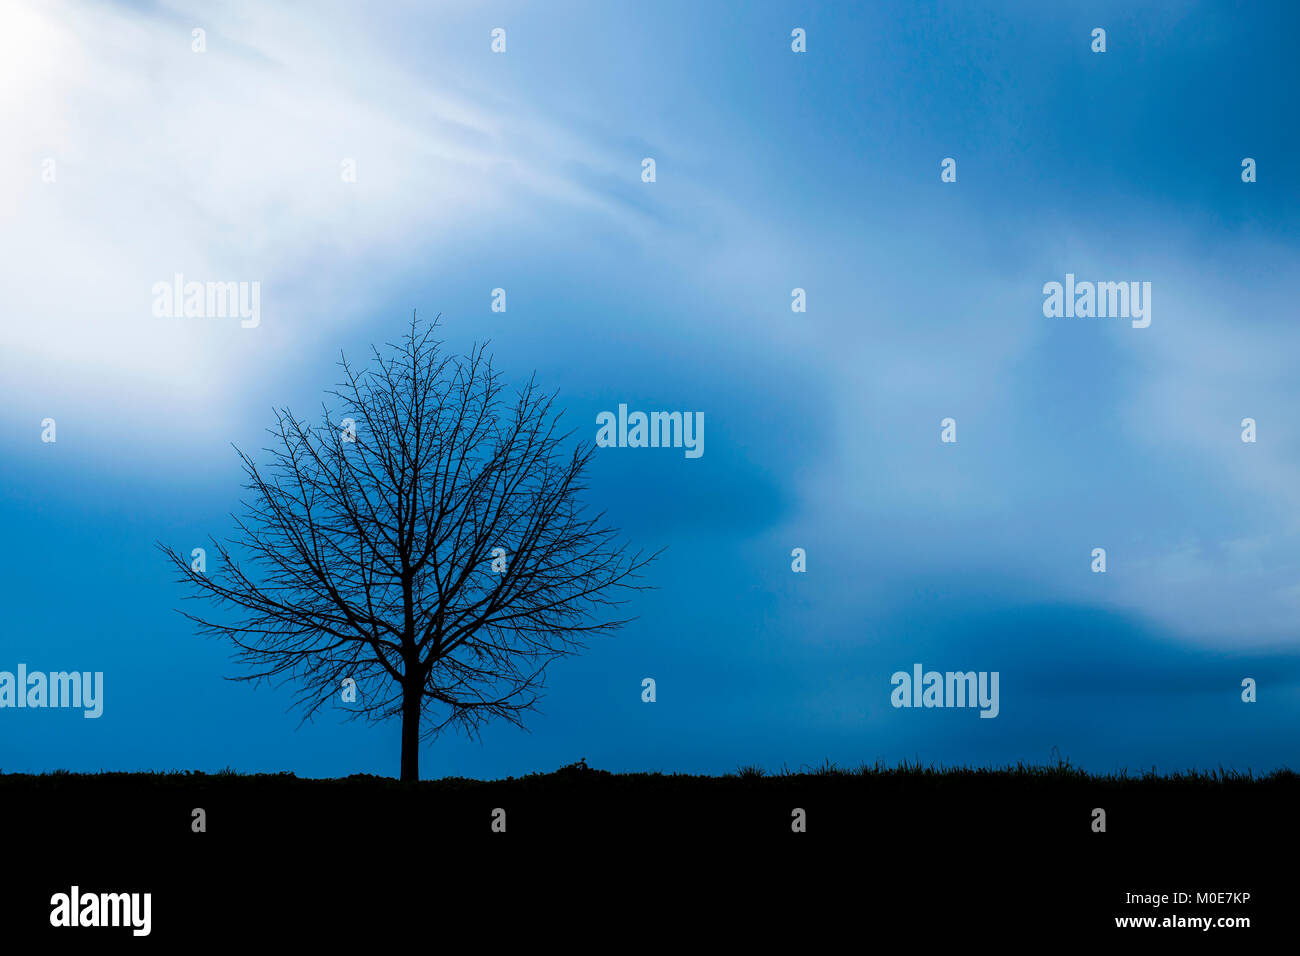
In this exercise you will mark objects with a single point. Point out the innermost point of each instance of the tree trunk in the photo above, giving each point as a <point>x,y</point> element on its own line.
<point>411,735</point>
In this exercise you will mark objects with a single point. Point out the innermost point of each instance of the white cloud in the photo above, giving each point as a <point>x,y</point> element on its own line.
<point>225,165</point>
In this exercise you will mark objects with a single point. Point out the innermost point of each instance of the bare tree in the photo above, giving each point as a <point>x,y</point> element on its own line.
<point>371,547</point>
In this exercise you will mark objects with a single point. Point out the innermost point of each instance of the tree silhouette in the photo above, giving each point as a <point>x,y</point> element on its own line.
<point>370,545</point>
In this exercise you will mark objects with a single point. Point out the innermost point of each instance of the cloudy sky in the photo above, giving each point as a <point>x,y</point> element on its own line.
<point>775,170</point>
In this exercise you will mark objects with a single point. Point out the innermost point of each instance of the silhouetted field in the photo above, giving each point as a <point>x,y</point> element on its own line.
<point>1007,847</point>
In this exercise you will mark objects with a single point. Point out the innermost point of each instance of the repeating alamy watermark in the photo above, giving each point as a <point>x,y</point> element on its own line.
<point>55,689</point>
<point>208,300</point>
<point>652,430</point>
<point>949,689</point>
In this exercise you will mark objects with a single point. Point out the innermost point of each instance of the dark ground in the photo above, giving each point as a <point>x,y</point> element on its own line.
<point>976,855</point>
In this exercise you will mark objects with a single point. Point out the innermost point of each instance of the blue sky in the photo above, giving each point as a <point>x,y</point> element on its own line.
<point>775,170</point>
